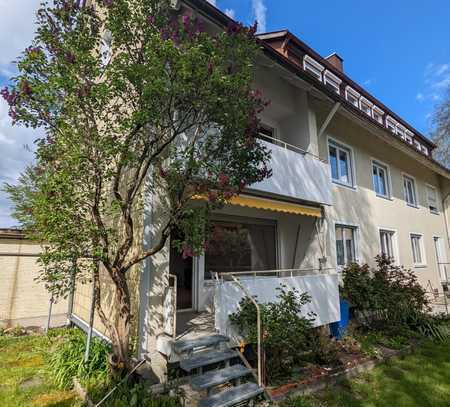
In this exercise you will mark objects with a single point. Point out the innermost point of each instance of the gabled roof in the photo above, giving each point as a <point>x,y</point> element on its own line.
<point>295,44</point>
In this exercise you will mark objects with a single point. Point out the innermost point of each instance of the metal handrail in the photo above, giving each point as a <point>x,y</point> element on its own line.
<point>258,326</point>
<point>174,302</point>
<point>276,272</point>
<point>291,147</point>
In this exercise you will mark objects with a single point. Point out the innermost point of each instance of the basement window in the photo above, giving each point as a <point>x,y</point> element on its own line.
<point>333,81</point>
<point>365,105</point>
<point>313,67</point>
<point>352,96</point>
<point>377,114</point>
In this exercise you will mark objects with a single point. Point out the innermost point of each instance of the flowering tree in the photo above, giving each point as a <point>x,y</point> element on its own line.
<point>441,131</point>
<point>130,94</point>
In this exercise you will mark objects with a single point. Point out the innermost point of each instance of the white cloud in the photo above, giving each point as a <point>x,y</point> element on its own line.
<point>368,82</point>
<point>436,82</point>
<point>260,13</point>
<point>230,13</point>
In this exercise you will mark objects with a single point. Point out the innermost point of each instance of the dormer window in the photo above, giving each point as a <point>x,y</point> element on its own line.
<point>417,145</point>
<point>332,80</point>
<point>424,150</point>
<point>377,114</point>
<point>409,137</point>
<point>313,67</point>
<point>401,131</point>
<point>352,96</point>
<point>365,105</point>
<point>391,124</point>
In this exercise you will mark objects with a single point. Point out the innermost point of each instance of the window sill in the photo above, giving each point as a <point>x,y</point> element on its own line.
<point>412,205</point>
<point>387,198</point>
<point>420,266</point>
<point>341,184</point>
<point>434,212</point>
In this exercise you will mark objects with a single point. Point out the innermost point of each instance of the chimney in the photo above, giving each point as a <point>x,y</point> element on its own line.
<point>335,60</point>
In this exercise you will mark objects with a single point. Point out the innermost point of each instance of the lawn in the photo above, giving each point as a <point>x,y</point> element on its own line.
<point>23,377</point>
<point>418,380</point>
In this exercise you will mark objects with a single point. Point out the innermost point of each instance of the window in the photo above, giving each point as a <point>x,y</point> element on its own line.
<point>332,80</point>
<point>417,249</point>
<point>377,114</point>
<point>432,199</point>
<point>352,96</point>
<point>313,67</point>
<point>417,145</point>
<point>365,105</point>
<point>345,245</point>
<point>341,164</point>
<point>401,131</point>
<point>410,190</point>
<point>409,137</point>
<point>391,124</point>
<point>387,238</point>
<point>380,176</point>
<point>424,150</point>
<point>241,245</point>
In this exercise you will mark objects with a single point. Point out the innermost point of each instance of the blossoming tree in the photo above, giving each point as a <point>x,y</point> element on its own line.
<point>130,94</point>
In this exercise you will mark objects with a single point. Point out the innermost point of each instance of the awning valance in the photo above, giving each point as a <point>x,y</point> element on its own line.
<point>272,205</point>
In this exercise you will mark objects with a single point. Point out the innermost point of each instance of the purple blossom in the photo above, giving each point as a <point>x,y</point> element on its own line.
<point>25,88</point>
<point>186,22</point>
<point>10,97</point>
<point>108,3</point>
<point>151,20</point>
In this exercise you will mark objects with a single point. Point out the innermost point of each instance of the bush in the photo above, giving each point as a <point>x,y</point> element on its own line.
<point>286,334</point>
<point>66,359</point>
<point>384,297</point>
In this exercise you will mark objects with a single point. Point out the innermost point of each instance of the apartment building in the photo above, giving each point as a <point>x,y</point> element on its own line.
<point>351,179</point>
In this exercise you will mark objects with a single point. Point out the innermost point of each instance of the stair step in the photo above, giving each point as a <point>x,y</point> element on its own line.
<point>232,396</point>
<point>216,377</point>
<point>206,358</point>
<point>205,341</point>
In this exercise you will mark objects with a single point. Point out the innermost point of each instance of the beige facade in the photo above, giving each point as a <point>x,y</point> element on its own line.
<point>23,300</point>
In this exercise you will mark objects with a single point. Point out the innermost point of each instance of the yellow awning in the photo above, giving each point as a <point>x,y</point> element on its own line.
<point>271,205</point>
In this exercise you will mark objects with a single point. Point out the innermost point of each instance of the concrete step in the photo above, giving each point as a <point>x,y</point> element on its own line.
<point>206,358</point>
<point>216,377</point>
<point>188,345</point>
<point>232,396</point>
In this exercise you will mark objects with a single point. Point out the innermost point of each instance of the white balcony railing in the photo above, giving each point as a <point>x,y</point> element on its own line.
<point>296,174</point>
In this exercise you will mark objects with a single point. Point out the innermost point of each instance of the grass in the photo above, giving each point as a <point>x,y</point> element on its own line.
<point>418,380</point>
<point>24,380</point>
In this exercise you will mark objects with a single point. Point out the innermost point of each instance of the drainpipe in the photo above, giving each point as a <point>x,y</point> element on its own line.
<point>446,218</point>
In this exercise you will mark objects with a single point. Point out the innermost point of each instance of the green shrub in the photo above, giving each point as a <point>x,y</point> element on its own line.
<point>384,297</point>
<point>66,359</point>
<point>286,334</point>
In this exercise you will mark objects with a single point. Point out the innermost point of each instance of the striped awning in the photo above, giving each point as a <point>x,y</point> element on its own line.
<point>272,205</point>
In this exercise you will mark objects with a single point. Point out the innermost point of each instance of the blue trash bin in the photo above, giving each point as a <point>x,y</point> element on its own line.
<point>338,328</point>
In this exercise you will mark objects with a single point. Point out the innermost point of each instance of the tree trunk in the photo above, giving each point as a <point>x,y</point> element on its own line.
<point>118,324</point>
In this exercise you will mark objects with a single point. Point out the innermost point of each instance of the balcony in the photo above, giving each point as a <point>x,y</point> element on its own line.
<point>296,174</point>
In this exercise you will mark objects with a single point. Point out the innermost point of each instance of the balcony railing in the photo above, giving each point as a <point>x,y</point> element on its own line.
<point>296,174</point>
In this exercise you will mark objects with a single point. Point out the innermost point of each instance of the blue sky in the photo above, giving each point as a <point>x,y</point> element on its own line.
<point>398,50</point>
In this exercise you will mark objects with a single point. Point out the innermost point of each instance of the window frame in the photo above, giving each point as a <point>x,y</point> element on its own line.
<point>427,187</point>
<point>386,168</point>
<point>376,111</point>
<point>394,242</point>
<point>350,153</point>
<point>313,67</point>
<point>414,183</point>
<point>354,94</point>
<point>332,80</point>
<point>365,105</point>
<point>355,228</point>
<point>423,258</point>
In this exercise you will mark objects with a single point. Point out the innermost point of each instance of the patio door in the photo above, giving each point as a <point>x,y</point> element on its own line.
<point>182,268</point>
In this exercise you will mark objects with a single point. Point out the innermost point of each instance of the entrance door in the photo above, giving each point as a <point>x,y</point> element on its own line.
<point>441,258</point>
<point>183,269</point>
